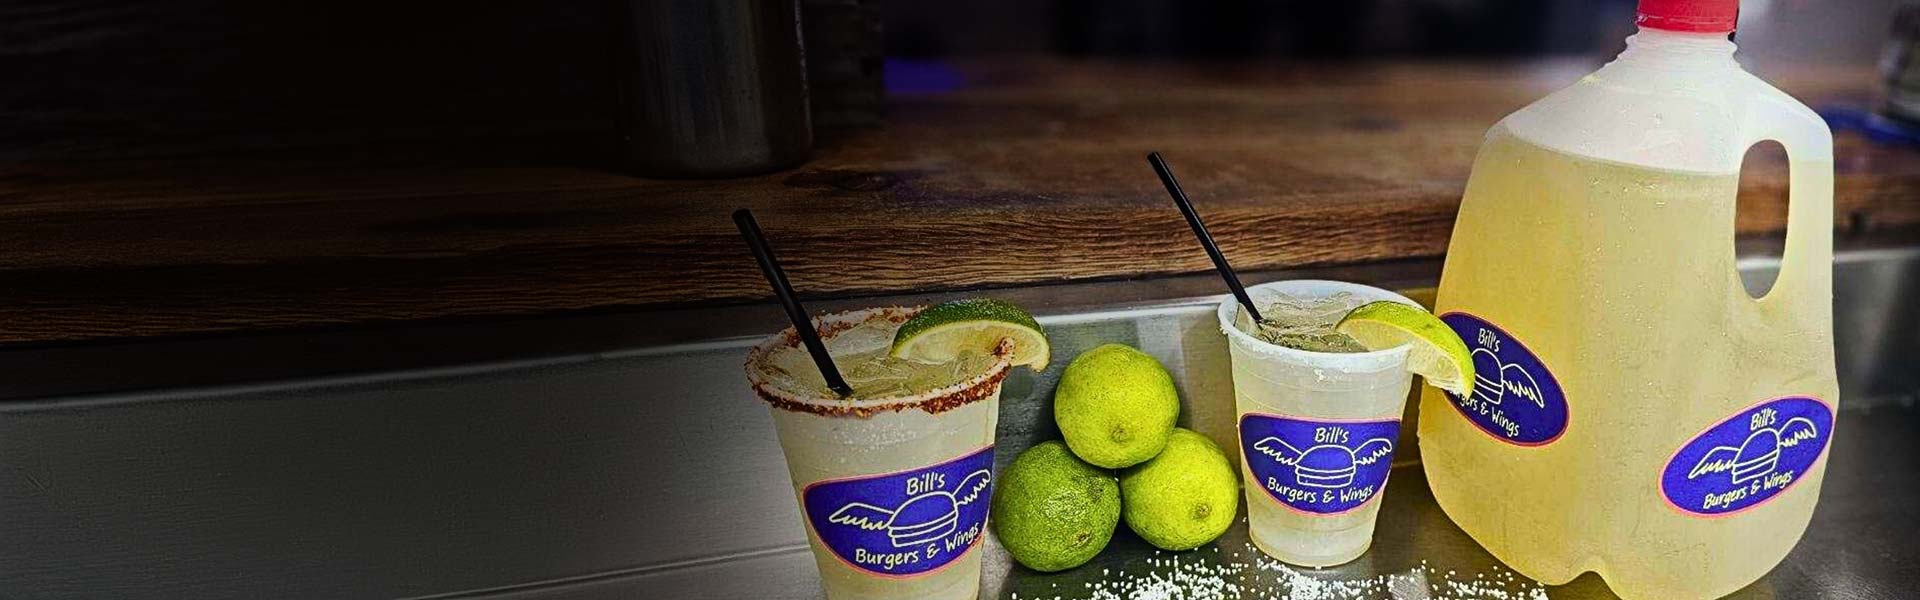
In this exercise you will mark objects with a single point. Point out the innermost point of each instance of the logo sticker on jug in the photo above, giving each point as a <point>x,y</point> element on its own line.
<point>906,523</point>
<point>1318,467</point>
<point>1749,458</point>
<point>1514,398</point>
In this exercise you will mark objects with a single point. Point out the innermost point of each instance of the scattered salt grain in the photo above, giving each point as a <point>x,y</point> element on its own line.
<point>1268,579</point>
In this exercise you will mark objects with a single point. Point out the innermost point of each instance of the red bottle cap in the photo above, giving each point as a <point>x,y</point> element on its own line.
<point>1692,16</point>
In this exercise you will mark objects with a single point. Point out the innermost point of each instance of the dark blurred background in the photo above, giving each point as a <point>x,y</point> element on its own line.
<point>1818,30</point>
<point>533,81</point>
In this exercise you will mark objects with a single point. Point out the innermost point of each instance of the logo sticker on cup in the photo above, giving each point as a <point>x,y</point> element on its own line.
<point>1514,398</point>
<point>1318,467</point>
<point>906,523</point>
<point>1748,459</point>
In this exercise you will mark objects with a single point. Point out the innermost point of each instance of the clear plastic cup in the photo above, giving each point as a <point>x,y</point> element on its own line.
<point>893,490</point>
<point>1317,431</point>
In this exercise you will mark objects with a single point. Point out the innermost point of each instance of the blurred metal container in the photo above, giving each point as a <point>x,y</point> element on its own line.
<point>1901,65</point>
<point>712,88</point>
<point>845,59</point>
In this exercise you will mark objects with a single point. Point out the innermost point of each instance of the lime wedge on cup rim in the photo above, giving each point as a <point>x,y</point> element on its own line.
<point>941,332</point>
<point>1435,353</point>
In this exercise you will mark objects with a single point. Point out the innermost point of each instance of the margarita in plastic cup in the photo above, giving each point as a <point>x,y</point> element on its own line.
<point>1319,419</point>
<point>894,481</point>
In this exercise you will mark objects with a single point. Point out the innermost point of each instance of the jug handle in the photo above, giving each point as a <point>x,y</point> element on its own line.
<point>1806,265</point>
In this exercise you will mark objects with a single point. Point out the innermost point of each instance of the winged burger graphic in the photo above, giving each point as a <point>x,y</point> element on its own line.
<point>1328,466</point>
<point>1757,456</point>
<point>924,518</point>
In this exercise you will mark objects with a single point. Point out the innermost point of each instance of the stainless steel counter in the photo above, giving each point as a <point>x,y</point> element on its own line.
<point>644,470</point>
<point>1862,543</point>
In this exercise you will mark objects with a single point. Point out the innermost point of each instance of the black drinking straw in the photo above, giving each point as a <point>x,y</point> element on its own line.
<point>802,324</point>
<point>1200,231</point>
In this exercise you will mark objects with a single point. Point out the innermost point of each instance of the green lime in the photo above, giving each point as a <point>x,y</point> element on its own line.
<point>1116,406</point>
<point>943,331</point>
<point>1436,352</point>
<point>1183,498</point>
<point>1053,512</point>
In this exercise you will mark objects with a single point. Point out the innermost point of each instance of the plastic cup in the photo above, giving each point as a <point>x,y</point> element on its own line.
<point>893,490</point>
<point>1317,432</point>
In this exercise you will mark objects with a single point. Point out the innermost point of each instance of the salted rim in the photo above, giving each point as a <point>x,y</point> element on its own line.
<point>1374,360</point>
<point>934,401</point>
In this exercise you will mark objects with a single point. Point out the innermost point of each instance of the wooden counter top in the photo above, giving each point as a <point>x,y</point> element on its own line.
<point>1029,173</point>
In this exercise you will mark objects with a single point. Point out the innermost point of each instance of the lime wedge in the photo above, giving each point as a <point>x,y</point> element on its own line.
<point>1436,352</point>
<point>943,331</point>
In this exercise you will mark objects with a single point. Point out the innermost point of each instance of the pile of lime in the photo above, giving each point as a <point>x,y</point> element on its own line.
<point>1123,458</point>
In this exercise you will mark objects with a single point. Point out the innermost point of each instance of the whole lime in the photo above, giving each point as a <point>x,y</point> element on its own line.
<point>1183,498</point>
<point>1052,511</point>
<point>1116,406</point>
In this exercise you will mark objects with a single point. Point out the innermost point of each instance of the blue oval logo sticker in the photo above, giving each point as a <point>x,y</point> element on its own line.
<point>907,523</point>
<point>1749,458</point>
<point>1515,398</point>
<point>1318,467</point>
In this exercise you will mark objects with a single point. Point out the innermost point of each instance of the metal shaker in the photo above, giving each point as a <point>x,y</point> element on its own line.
<point>712,88</point>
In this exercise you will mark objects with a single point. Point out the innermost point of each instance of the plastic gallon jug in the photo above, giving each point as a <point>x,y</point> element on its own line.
<point>1635,412</point>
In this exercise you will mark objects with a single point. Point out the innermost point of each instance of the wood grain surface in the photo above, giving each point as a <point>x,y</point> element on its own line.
<point>1026,172</point>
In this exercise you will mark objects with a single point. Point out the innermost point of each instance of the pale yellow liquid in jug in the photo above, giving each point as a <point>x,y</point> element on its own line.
<point>1621,279</point>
